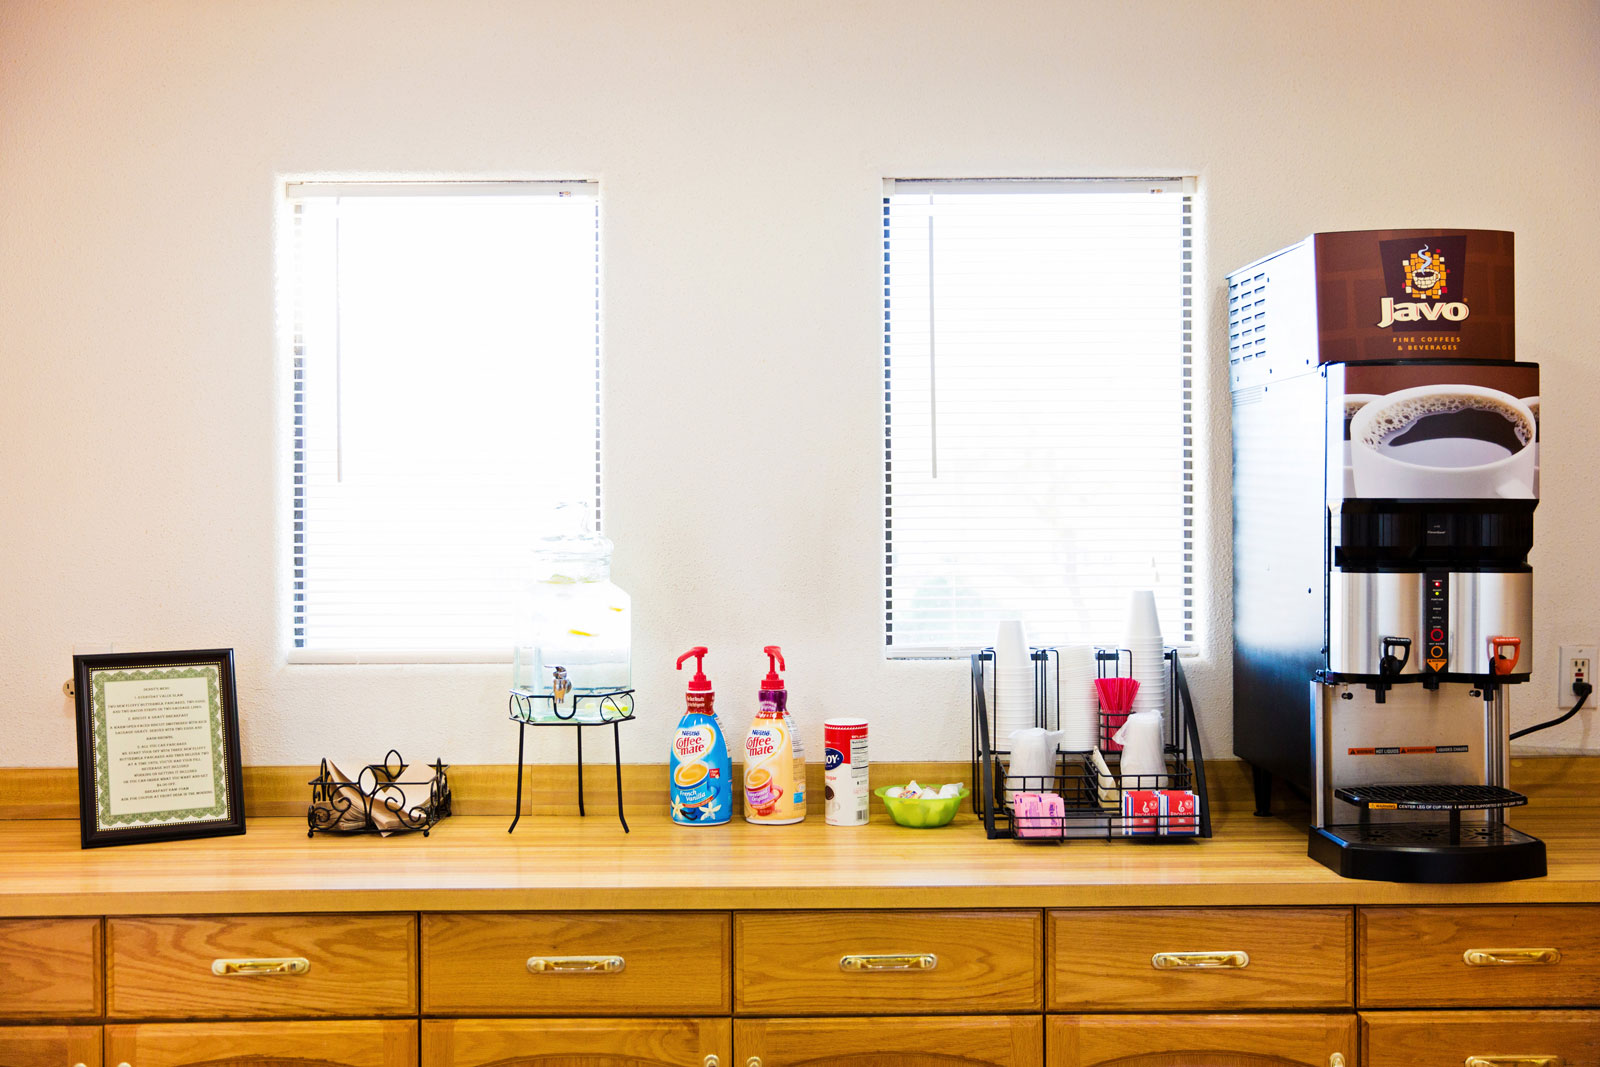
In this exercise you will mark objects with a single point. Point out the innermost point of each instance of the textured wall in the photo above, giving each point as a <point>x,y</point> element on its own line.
<point>740,145</point>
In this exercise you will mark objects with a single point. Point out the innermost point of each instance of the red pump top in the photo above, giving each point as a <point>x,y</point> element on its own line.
<point>699,683</point>
<point>772,681</point>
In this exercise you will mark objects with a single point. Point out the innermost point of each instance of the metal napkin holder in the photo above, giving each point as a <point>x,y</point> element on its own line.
<point>379,801</point>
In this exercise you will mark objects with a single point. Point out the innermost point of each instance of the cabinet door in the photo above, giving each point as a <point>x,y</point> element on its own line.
<point>244,966</point>
<point>1202,1040</point>
<point>672,963</point>
<point>882,962</point>
<point>577,1042</point>
<point>891,1041</point>
<point>307,1044</point>
<point>1480,1038</point>
<point>50,968</point>
<point>1201,959</point>
<point>1486,955</point>
<point>49,1046</point>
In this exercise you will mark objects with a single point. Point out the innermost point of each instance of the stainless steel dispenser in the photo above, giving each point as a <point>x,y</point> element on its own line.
<point>1385,478</point>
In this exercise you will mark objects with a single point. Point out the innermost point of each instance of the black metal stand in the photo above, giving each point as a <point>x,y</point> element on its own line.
<point>611,709</point>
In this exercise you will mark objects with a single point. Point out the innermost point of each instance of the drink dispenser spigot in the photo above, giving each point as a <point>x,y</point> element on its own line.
<point>1498,659</point>
<point>1389,664</point>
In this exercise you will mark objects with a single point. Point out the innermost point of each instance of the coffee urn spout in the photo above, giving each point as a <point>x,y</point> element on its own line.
<point>1394,653</point>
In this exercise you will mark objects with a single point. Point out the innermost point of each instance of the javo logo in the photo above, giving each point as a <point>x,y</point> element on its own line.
<point>1426,274</point>
<point>1419,283</point>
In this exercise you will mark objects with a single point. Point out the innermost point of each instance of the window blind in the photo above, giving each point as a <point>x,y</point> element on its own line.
<point>1038,459</point>
<point>445,396</point>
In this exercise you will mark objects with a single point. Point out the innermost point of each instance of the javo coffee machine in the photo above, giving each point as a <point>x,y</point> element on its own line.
<point>1386,470</point>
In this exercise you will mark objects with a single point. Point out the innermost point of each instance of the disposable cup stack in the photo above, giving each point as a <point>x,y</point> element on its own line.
<point>1079,710</point>
<point>1013,683</point>
<point>1143,641</point>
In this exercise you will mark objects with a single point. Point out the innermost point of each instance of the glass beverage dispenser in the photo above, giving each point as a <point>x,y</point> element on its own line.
<point>574,625</point>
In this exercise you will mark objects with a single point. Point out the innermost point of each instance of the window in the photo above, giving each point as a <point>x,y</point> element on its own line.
<point>1037,415</point>
<point>445,394</point>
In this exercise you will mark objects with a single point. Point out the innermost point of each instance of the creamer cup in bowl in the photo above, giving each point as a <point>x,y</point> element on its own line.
<point>921,813</point>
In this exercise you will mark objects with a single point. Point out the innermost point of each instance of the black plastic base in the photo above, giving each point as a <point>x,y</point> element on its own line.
<point>1422,852</point>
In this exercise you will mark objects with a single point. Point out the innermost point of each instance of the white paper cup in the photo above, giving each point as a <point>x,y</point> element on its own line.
<point>1144,624</point>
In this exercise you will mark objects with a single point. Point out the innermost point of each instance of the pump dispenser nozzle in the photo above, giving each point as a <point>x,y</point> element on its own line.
<point>699,683</point>
<point>773,681</point>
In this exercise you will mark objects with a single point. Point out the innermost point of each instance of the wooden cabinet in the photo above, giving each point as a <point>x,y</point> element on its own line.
<point>887,962</point>
<point>1199,959</point>
<point>49,1046</point>
<point>50,968</point>
<point>1092,987</point>
<point>1480,1038</point>
<point>577,1042</point>
<point>888,1041</point>
<point>329,1043</point>
<point>576,963</point>
<point>1490,956</point>
<point>1201,1040</point>
<point>257,966</point>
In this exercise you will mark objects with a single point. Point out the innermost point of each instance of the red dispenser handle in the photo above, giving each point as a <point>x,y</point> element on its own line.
<point>1504,664</point>
<point>699,683</point>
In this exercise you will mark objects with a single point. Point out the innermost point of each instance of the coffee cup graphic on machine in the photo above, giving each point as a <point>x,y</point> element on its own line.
<point>1444,442</point>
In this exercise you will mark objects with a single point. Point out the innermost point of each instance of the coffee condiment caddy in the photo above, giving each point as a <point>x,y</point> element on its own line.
<point>1092,786</point>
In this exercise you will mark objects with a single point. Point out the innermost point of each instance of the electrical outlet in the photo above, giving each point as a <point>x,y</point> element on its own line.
<point>1576,665</point>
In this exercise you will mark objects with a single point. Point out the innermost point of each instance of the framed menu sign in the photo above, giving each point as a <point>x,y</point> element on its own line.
<point>158,747</point>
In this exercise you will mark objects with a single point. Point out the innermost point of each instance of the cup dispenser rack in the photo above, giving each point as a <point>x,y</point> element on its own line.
<point>1091,793</point>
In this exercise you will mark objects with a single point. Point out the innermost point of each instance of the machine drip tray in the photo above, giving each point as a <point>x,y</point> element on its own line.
<point>1432,852</point>
<point>1430,797</point>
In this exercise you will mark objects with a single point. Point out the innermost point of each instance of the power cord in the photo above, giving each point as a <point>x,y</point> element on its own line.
<point>1582,689</point>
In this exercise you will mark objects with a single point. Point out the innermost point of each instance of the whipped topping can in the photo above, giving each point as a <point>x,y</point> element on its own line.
<point>845,771</point>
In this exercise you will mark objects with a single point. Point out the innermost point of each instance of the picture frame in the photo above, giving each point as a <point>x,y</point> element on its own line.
<point>158,746</point>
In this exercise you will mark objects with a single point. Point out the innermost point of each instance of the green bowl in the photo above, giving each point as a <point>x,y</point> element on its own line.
<point>921,813</point>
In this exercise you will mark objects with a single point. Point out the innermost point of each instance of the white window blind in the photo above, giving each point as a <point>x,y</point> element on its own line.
<point>1037,409</point>
<point>446,393</point>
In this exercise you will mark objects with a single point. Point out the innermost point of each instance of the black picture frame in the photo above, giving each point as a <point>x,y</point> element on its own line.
<point>145,746</point>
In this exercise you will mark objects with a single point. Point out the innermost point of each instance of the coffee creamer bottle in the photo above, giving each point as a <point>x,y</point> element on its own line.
<point>774,760</point>
<point>702,776</point>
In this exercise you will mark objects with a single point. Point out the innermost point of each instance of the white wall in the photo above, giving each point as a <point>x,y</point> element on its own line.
<point>740,146</point>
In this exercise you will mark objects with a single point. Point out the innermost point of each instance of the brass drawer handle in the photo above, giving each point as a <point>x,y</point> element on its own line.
<point>710,1061</point>
<point>260,968</point>
<point>575,964</point>
<point>753,1061</point>
<point>917,961</point>
<point>1336,1060</point>
<point>1171,961</point>
<point>1510,957</point>
<point>1513,1061</point>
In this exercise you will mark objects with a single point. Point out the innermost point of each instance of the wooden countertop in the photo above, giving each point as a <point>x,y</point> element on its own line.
<point>571,863</point>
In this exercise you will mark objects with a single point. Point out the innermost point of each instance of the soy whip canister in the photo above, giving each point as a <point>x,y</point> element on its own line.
<point>845,771</point>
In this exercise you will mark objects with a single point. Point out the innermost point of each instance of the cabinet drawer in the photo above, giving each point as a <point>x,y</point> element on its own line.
<point>328,1043</point>
<point>570,963</point>
<point>49,968</point>
<point>1201,1040</point>
<point>1480,1038</point>
<point>889,1041</point>
<point>262,965</point>
<point>1493,956</point>
<point>50,1046</point>
<point>862,962</point>
<point>635,1042</point>
<point>1201,959</point>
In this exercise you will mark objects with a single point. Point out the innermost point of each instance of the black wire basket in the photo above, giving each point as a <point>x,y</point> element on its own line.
<point>1095,799</point>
